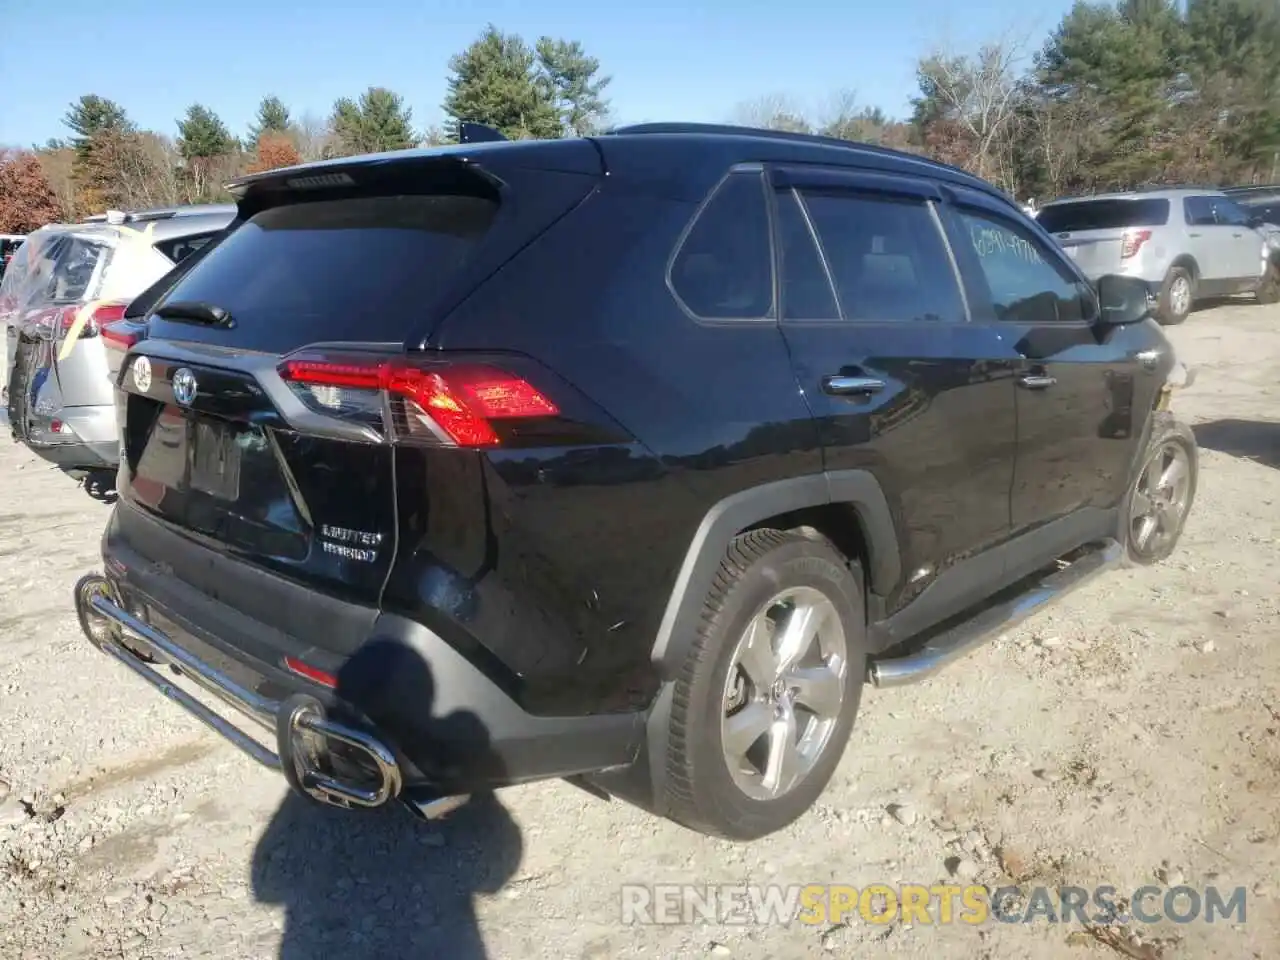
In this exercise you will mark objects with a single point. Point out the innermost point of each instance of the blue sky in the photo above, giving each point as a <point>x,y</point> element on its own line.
<point>690,60</point>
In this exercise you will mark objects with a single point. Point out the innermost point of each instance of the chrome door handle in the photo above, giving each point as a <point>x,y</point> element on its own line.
<point>849,386</point>
<point>1034,381</point>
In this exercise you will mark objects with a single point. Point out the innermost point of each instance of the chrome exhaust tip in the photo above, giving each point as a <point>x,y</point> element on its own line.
<point>304,736</point>
<point>98,629</point>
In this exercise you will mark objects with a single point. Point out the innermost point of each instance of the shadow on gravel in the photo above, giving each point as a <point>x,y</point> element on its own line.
<point>1257,440</point>
<point>382,884</point>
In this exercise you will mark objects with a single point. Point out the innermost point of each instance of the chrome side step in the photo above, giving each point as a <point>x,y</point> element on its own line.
<point>960,639</point>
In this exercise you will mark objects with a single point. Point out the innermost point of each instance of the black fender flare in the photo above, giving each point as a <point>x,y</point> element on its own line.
<point>724,521</point>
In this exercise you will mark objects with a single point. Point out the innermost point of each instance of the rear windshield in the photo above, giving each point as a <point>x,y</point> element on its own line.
<point>352,269</point>
<point>1104,215</point>
<point>57,268</point>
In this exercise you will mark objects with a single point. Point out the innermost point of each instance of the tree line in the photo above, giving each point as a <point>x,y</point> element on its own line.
<point>1119,94</point>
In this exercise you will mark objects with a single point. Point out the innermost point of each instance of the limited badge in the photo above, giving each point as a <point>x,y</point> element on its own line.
<point>184,386</point>
<point>142,374</point>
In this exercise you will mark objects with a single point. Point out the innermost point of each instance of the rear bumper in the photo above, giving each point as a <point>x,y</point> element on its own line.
<point>421,720</point>
<point>293,722</point>
<point>77,455</point>
<point>87,438</point>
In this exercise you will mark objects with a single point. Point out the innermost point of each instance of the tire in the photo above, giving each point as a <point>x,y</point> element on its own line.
<point>1172,309</point>
<point>1269,291</point>
<point>705,789</point>
<point>1167,435</point>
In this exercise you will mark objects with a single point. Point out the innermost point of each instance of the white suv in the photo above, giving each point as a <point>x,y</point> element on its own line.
<point>59,396</point>
<point>1188,244</point>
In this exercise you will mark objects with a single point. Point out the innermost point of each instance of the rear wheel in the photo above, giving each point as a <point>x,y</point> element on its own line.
<point>1162,492</point>
<point>767,698</point>
<point>1177,293</point>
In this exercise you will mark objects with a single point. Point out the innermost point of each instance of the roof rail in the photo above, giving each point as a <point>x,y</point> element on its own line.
<point>817,139</point>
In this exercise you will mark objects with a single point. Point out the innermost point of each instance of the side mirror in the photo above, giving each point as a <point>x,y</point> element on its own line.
<point>1124,300</point>
<point>1256,222</point>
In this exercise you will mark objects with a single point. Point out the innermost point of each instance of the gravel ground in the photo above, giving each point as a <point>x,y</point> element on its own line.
<point>1130,735</point>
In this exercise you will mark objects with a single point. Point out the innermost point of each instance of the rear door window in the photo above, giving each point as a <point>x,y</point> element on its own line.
<point>1104,215</point>
<point>806,289</point>
<point>1198,211</point>
<point>724,268</point>
<point>358,269</point>
<point>887,257</point>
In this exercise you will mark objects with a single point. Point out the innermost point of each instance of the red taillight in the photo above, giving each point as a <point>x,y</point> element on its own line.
<point>1132,242</point>
<point>63,319</point>
<point>461,401</point>
<point>121,334</point>
<point>314,674</point>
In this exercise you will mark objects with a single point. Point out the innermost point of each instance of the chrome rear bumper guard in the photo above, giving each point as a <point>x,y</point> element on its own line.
<point>303,732</point>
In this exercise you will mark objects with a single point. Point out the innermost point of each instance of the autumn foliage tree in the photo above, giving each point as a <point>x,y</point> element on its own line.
<point>275,150</point>
<point>26,199</point>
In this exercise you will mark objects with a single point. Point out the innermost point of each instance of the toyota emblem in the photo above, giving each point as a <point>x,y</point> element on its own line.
<point>184,386</point>
<point>142,374</point>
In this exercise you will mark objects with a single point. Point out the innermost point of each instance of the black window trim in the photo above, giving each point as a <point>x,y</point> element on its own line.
<point>207,235</point>
<point>796,178</point>
<point>739,169</point>
<point>975,279</point>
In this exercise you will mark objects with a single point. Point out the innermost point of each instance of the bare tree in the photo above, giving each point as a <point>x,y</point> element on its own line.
<point>775,111</point>
<point>1059,132</point>
<point>314,137</point>
<point>133,170</point>
<point>978,93</point>
<point>59,169</point>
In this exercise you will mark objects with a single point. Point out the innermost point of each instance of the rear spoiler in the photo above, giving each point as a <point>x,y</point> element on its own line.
<point>480,167</point>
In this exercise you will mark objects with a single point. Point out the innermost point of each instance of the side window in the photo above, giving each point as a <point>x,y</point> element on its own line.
<point>887,257</point>
<point>1198,211</point>
<point>181,248</point>
<point>1228,213</point>
<point>1026,285</point>
<point>806,288</point>
<point>724,268</point>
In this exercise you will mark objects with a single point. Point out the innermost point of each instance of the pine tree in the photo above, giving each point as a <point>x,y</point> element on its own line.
<point>92,114</point>
<point>203,135</point>
<point>573,83</point>
<point>495,82</point>
<point>272,117</point>
<point>378,122</point>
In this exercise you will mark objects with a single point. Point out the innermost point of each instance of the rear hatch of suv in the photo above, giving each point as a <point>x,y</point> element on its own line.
<point>285,375</point>
<point>1104,234</point>
<point>62,268</point>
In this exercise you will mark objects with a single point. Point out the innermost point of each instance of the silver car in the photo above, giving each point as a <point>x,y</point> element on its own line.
<point>1188,244</point>
<point>65,288</point>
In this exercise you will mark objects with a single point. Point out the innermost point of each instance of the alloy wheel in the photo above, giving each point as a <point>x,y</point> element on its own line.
<point>1180,296</point>
<point>784,692</point>
<point>1160,499</point>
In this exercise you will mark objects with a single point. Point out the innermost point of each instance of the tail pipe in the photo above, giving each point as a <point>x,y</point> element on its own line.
<point>320,758</point>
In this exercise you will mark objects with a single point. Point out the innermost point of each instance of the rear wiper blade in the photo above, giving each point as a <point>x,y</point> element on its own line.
<point>196,311</point>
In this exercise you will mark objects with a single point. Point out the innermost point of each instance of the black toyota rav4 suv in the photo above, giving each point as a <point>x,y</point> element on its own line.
<point>626,460</point>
